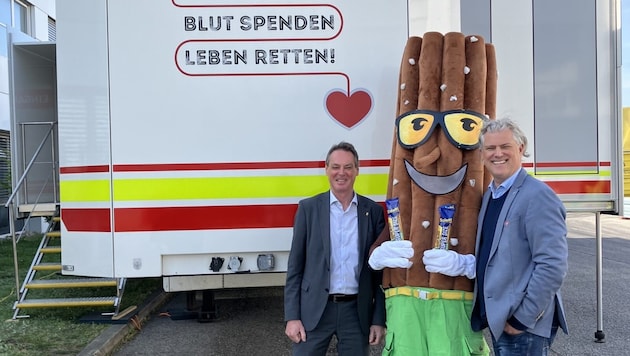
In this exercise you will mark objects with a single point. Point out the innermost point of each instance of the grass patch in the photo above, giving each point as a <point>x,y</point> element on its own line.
<point>52,331</point>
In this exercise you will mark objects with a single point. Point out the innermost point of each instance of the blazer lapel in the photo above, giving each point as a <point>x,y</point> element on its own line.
<point>363,217</point>
<point>502,221</point>
<point>323,214</point>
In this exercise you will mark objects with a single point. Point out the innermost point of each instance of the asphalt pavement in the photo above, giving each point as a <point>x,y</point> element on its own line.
<point>250,321</point>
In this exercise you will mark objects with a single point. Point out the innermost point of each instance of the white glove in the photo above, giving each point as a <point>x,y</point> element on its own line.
<point>392,254</point>
<point>449,263</point>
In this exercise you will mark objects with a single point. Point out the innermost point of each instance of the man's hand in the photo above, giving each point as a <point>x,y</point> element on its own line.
<point>295,331</point>
<point>392,254</point>
<point>510,330</point>
<point>377,334</point>
<point>449,263</point>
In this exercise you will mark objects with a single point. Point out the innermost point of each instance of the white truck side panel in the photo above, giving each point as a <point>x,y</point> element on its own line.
<point>433,15</point>
<point>159,115</point>
<point>567,104</point>
<point>160,101</point>
<point>610,129</point>
<point>83,104</point>
<point>83,87</point>
<point>188,253</point>
<point>512,36</point>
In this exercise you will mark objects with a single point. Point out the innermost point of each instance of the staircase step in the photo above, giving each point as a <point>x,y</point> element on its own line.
<point>42,209</point>
<point>53,249</point>
<point>67,302</point>
<point>53,234</point>
<point>48,266</point>
<point>72,283</point>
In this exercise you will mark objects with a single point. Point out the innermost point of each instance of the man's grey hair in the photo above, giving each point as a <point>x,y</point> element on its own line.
<point>503,124</point>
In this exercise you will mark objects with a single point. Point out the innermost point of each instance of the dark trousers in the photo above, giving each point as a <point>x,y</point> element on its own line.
<point>340,319</point>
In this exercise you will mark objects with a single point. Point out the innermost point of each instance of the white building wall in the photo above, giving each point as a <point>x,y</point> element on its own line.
<point>45,6</point>
<point>4,92</point>
<point>40,25</point>
<point>41,10</point>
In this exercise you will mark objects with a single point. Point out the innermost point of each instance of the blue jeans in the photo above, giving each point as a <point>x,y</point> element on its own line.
<point>524,344</point>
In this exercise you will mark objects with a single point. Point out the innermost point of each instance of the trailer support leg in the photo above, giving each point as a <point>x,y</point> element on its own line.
<point>200,305</point>
<point>208,310</point>
<point>599,334</point>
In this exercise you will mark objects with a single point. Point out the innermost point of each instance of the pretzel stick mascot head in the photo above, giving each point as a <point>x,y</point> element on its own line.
<point>447,88</point>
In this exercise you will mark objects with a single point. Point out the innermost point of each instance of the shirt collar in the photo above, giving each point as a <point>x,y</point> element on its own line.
<point>503,187</point>
<point>333,199</point>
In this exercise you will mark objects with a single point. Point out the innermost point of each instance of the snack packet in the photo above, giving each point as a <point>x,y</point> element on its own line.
<point>393,218</point>
<point>447,212</point>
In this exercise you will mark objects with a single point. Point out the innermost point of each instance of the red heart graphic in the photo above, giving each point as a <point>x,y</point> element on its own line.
<point>348,111</point>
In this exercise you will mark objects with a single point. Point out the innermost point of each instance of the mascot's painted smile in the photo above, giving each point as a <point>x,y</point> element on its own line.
<point>438,185</point>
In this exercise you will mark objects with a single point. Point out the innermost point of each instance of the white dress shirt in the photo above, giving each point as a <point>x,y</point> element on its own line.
<point>344,247</point>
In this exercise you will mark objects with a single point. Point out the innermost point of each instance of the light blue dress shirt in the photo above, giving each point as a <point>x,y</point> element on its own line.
<point>503,187</point>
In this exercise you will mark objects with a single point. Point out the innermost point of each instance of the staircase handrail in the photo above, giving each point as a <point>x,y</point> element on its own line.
<point>30,164</point>
<point>28,218</point>
<point>9,205</point>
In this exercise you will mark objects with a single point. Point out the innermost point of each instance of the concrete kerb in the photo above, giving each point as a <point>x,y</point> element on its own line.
<point>113,336</point>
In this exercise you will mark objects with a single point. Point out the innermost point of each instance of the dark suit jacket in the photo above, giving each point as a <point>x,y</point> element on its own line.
<point>308,271</point>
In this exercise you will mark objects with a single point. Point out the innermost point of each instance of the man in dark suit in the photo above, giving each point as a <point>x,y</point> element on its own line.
<point>521,250</point>
<point>330,289</point>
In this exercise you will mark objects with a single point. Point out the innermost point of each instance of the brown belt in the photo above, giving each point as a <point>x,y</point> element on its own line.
<point>339,298</point>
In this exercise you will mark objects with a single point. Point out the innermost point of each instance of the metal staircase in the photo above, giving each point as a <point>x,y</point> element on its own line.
<point>36,195</point>
<point>35,190</point>
<point>52,289</point>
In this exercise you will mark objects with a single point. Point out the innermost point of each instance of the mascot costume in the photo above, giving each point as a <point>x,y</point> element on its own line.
<point>447,88</point>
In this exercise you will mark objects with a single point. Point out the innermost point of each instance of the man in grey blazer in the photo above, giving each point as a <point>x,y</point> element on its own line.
<point>330,289</point>
<point>521,250</point>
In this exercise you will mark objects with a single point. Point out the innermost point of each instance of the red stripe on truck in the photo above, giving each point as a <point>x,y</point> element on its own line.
<point>226,166</point>
<point>84,169</point>
<point>181,218</point>
<point>580,187</point>
<point>168,167</point>
<point>89,220</point>
<point>204,217</point>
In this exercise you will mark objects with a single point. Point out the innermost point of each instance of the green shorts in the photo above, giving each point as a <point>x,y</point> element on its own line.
<point>430,322</point>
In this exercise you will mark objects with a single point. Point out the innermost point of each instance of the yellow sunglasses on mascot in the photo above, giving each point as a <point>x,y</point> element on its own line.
<point>462,127</point>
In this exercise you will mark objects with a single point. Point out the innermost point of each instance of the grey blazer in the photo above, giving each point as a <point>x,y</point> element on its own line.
<point>308,270</point>
<point>528,258</point>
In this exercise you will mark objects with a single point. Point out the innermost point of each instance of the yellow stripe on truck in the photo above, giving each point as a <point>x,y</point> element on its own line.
<point>84,190</point>
<point>212,188</point>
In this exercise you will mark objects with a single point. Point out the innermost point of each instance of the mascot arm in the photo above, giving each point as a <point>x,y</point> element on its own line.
<point>449,263</point>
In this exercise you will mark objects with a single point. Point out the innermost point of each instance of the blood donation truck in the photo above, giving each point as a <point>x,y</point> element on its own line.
<point>182,133</point>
